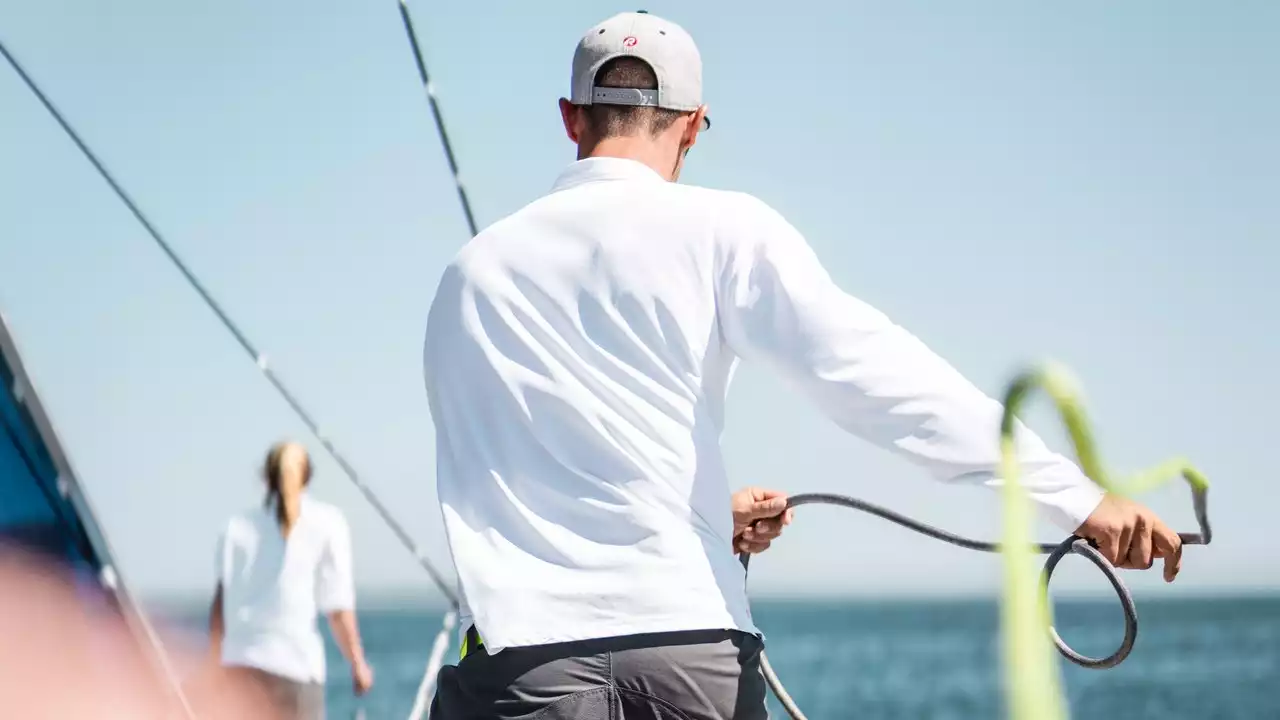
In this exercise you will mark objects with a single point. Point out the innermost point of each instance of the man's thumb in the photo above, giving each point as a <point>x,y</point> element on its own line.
<point>769,508</point>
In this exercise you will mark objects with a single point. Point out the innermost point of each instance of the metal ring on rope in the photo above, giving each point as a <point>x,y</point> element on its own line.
<point>1072,545</point>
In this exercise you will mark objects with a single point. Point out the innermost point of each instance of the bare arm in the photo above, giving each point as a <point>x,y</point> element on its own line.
<point>346,632</point>
<point>336,598</point>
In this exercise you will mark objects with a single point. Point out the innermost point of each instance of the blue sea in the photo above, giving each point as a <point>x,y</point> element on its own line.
<point>1195,659</point>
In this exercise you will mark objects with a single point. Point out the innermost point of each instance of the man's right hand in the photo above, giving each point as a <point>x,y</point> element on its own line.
<point>361,678</point>
<point>1131,536</point>
<point>758,518</point>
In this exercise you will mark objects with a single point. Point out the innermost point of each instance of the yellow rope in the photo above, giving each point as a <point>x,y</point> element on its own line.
<point>1032,685</point>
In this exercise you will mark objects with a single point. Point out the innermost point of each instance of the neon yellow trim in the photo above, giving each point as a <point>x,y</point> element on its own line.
<point>1032,685</point>
<point>466,643</point>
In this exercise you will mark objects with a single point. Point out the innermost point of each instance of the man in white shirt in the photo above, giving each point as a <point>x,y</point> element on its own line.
<point>577,357</point>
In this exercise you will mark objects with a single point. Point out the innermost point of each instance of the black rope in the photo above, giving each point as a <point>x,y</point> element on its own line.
<point>1073,544</point>
<point>240,337</point>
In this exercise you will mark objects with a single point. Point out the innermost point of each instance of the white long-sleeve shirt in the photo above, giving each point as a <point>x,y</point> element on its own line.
<point>577,358</point>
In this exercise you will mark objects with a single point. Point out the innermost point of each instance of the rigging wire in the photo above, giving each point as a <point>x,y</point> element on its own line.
<point>427,686</point>
<point>133,614</point>
<point>259,358</point>
<point>439,118</point>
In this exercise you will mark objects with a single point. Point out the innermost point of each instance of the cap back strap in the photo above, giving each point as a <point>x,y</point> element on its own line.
<point>624,96</point>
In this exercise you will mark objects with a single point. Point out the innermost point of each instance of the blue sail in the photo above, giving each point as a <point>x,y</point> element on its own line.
<point>37,509</point>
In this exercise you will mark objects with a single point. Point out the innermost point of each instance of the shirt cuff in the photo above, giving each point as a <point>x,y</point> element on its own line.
<point>1070,506</point>
<point>336,601</point>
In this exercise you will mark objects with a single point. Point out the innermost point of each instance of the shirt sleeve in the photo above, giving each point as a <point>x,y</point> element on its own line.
<point>778,305</point>
<point>335,582</point>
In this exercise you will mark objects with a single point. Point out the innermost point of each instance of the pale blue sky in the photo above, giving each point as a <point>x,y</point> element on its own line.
<point>1093,182</point>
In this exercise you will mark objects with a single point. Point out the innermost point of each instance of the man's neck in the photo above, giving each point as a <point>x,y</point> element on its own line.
<point>646,152</point>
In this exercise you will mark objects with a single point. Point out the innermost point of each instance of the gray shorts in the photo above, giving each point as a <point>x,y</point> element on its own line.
<point>292,700</point>
<point>696,675</point>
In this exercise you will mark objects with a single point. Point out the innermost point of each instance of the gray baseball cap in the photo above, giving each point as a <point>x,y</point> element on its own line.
<point>665,46</point>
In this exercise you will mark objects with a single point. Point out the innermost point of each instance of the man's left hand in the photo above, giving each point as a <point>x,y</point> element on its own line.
<point>758,517</point>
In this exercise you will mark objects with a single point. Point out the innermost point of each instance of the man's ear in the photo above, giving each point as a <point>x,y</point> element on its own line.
<point>572,116</point>
<point>693,128</point>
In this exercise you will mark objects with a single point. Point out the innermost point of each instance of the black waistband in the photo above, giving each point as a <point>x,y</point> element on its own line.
<point>471,642</point>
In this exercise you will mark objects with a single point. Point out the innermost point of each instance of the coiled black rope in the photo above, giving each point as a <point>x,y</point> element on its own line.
<point>1074,544</point>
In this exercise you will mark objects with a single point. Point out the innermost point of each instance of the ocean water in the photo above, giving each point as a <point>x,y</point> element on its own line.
<point>1195,659</point>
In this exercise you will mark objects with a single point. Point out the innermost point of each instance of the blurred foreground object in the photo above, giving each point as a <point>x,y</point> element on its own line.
<point>68,654</point>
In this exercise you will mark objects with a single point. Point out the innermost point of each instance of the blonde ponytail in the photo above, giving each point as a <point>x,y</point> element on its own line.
<point>285,484</point>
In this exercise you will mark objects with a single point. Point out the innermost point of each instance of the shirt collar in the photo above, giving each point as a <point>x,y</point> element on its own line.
<point>594,169</point>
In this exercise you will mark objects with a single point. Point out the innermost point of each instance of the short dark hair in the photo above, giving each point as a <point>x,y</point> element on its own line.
<point>608,121</point>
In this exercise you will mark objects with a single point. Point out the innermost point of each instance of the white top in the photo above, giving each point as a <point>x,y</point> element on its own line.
<point>273,588</point>
<point>577,358</point>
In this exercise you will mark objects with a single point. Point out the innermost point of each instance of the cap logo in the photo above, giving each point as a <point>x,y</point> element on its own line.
<point>629,41</point>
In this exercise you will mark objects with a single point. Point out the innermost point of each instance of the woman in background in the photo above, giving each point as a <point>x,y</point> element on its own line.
<point>279,566</point>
